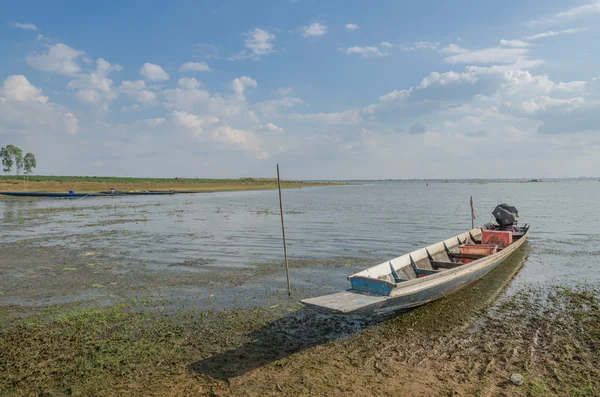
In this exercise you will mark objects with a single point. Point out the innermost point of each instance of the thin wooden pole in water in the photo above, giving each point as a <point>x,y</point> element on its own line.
<point>472,214</point>
<point>287,269</point>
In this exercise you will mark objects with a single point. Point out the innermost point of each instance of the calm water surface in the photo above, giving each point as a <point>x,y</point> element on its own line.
<point>378,220</point>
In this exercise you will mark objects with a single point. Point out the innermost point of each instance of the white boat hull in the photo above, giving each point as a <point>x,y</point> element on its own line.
<point>411,293</point>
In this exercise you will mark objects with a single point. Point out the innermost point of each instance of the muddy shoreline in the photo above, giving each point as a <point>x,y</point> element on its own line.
<point>467,344</point>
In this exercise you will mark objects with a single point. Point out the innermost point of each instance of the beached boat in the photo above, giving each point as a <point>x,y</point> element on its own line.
<point>428,273</point>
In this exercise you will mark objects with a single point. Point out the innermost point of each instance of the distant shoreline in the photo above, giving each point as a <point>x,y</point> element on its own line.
<point>84,184</point>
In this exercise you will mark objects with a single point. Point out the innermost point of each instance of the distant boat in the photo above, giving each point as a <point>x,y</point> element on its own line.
<point>423,275</point>
<point>98,194</point>
<point>52,194</point>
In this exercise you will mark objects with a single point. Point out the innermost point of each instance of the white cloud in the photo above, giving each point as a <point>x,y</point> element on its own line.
<point>314,29</point>
<point>273,106</point>
<point>489,55</point>
<point>270,127</point>
<point>138,91</point>
<point>71,124</point>
<point>186,96</point>
<point>195,67</point>
<point>514,43</point>
<point>572,13</point>
<point>420,45</point>
<point>60,58</point>
<point>453,49</point>
<point>24,109</point>
<point>189,83</point>
<point>284,91</point>
<point>258,42</point>
<point>435,78</point>
<point>238,85</point>
<point>585,9</point>
<point>18,88</point>
<point>352,26</point>
<point>365,51</point>
<point>153,72</point>
<point>155,122</point>
<point>552,33</point>
<point>395,95</point>
<point>244,139</point>
<point>25,26</point>
<point>195,124</point>
<point>346,117</point>
<point>95,88</point>
<point>386,44</point>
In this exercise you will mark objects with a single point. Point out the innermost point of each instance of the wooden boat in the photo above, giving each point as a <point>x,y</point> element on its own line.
<point>52,194</point>
<point>137,192</point>
<point>420,276</point>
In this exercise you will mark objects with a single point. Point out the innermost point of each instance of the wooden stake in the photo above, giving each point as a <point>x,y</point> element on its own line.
<point>472,214</point>
<point>287,269</point>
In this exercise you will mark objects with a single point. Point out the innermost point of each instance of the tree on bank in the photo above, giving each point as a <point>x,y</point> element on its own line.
<point>29,163</point>
<point>12,156</point>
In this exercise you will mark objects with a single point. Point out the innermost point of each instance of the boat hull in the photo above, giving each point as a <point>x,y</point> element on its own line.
<point>51,194</point>
<point>415,292</point>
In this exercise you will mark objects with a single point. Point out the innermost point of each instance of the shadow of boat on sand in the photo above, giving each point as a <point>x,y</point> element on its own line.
<point>306,328</point>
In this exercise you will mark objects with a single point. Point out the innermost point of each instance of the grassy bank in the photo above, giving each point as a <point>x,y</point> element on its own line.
<point>120,351</point>
<point>86,184</point>
<point>454,346</point>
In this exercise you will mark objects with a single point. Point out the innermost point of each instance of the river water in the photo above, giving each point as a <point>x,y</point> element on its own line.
<point>371,221</point>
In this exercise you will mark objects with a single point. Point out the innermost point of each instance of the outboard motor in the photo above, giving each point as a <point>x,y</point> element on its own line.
<point>506,215</point>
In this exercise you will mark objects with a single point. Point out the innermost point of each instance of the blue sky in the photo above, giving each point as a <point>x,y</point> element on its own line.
<point>329,89</point>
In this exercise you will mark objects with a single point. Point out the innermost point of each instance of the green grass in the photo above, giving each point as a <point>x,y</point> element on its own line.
<point>114,179</point>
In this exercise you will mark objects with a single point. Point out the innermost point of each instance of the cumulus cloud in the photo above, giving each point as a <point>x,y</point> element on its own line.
<point>420,45</point>
<point>25,109</point>
<point>95,88</point>
<point>273,107</point>
<point>138,91</point>
<point>314,29</point>
<point>244,139</point>
<point>284,91</point>
<point>352,26</point>
<point>435,78</point>
<point>195,67</point>
<point>258,43</point>
<point>365,51</point>
<point>386,44</point>
<point>453,49</point>
<point>18,88</point>
<point>154,72</point>
<point>195,124</point>
<point>239,85</point>
<point>395,95</point>
<point>269,127</point>
<point>60,58</point>
<point>25,26</point>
